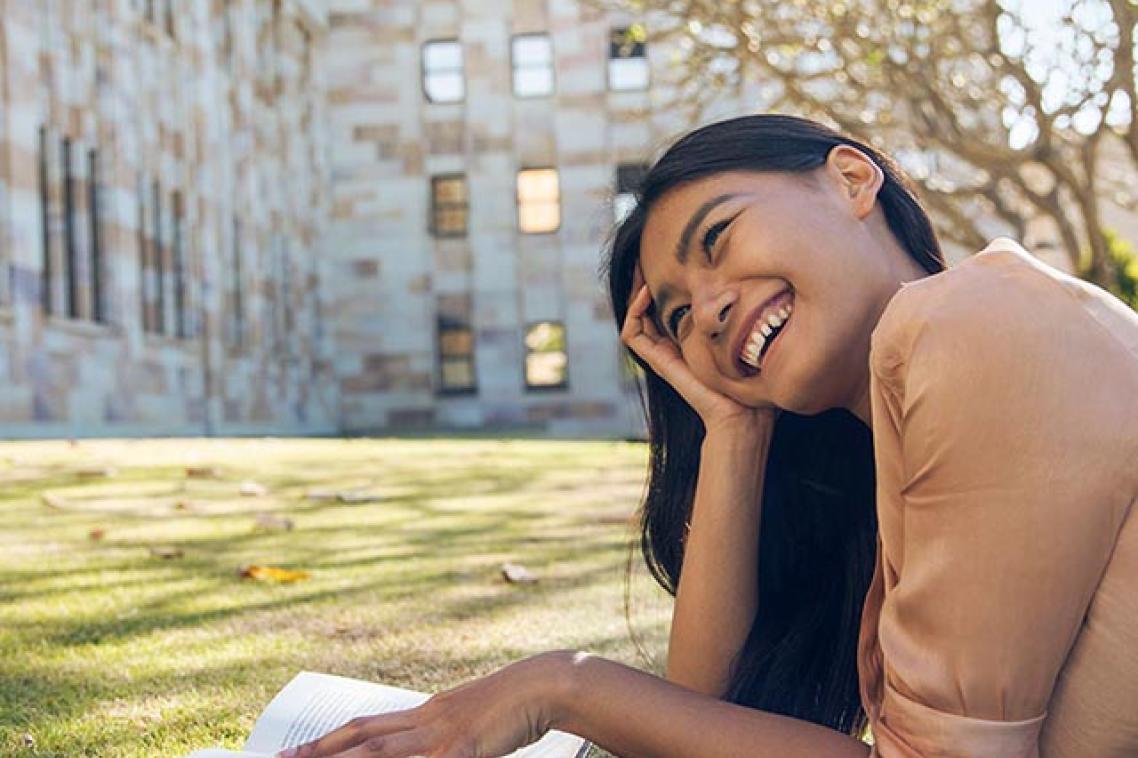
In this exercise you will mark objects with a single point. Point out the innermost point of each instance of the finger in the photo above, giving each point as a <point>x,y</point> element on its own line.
<point>398,745</point>
<point>632,326</point>
<point>353,733</point>
<point>637,277</point>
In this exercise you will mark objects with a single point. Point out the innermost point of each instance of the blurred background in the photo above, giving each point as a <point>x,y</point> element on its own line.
<point>362,216</point>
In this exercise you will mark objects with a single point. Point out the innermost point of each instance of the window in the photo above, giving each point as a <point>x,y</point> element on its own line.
<point>442,71</point>
<point>237,337</point>
<point>158,256</point>
<point>628,62</point>
<point>98,308</point>
<point>144,270</point>
<point>547,363</point>
<point>456,346</point>
<point>450,205</point>
<point>70,244</point>
<point>178,253</point>
<point>628,179</point>
<point>45,222</point>
<point>539,200</point>
<point>532,56</point>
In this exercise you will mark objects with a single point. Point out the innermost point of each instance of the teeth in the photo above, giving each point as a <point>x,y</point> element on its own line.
<point>754,345</point>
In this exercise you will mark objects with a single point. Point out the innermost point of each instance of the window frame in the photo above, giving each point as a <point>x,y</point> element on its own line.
<point>518,198</point>
<point>527,352</point>
<point>613,55</point>
<point>442,357</point>
<point>437,206</point>
<point>424,72</point>
<point>515,67</point>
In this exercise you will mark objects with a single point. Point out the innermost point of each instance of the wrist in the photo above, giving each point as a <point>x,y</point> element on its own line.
<point>742,435</point>
<point>548,684</point>
<point>559,683</point>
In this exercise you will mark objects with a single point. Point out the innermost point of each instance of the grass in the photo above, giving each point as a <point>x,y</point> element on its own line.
<point>109,651</point>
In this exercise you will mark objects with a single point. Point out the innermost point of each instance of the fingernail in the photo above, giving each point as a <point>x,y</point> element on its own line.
<point>289,752</point>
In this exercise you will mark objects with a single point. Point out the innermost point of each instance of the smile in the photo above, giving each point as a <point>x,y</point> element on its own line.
<point>766,327</point>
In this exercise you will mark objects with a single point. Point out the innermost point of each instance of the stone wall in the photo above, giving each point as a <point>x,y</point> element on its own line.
<point>390,274</point>
<point>194,304</point>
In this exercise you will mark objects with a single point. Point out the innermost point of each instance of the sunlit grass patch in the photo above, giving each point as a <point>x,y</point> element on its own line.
<point>107,649</point>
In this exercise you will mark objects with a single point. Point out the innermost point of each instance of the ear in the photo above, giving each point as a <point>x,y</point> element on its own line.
<point>858,178</point>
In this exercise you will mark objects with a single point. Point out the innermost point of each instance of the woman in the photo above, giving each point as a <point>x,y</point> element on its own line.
<point>941,462</point>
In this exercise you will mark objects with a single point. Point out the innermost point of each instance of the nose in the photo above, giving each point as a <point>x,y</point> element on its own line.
<point>710,313</point>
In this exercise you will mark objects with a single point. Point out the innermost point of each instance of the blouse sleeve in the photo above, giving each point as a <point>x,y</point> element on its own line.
<point>994,552</point>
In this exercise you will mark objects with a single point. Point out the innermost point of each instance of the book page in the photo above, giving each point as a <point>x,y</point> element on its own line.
<point>313,704</point>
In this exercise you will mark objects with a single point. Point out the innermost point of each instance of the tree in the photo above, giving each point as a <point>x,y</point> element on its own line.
<point>996,109</point>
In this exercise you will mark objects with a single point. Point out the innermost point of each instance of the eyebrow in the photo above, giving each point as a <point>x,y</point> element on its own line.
<point>694,222</point>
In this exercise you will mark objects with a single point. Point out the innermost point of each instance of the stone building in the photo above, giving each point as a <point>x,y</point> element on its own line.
<point>307,216</point>
<point>163,195</point>
<point>320,216</point>
<point>479,151</point>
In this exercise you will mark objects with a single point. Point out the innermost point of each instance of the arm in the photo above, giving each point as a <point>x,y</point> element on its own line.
<point>1001,516</point>
<point>632,713</point>
<point>717,596</point>
<point>628,712</point>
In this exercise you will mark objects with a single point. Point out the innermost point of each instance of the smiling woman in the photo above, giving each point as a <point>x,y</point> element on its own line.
<point>878,489</point>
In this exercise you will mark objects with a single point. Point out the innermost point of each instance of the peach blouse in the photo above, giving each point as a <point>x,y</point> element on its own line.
<point>1002,618</point>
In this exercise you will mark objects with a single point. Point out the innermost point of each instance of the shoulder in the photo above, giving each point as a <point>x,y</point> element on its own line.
<point>986,310</point>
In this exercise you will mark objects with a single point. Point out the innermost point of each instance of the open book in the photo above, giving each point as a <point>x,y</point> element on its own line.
<point>313,704</point>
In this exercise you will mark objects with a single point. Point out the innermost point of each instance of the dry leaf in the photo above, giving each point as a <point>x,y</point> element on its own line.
<point>272,522</point>
<point>253,489</point>
<point>184,505</point>
<point>202,472</point>
<point>97,533</point>
<point>516,573</point>
<point>166,552</point>
<point>320,495</point>
<point>272,574</point>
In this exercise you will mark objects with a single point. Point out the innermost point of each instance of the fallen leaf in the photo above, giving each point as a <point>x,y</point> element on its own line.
<point>516,573</point>
<point>166,552</point>
<point>184,505</point>
<point>97,533</point>
<point>272,574</point>
<point>272,522</point>
<point>253,489</point>
<point>202,472</point>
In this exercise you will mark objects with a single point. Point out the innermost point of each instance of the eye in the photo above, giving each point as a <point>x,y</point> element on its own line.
<point>712,234</point>
<point>674,320</point>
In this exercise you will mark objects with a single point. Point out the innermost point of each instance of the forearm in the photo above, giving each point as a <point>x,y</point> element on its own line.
<point>716,598</point>
<point>632,713</point>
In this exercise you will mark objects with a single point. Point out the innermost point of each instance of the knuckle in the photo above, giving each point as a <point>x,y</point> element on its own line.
<point>376,743</point>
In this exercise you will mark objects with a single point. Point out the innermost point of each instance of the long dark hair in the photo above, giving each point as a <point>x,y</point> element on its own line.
<point>818,539</point>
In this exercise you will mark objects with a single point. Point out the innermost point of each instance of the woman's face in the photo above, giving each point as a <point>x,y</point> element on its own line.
<point>714,253</point>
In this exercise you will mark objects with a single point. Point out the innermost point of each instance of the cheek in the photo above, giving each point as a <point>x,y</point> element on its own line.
<point>707,372</point>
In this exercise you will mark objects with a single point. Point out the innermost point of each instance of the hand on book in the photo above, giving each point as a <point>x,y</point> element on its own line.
<point>484,718</point>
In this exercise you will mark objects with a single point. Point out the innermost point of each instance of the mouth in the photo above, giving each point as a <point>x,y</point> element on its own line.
<point>763,327</point>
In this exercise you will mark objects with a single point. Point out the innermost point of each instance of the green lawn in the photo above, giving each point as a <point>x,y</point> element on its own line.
<point>107,650</point>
